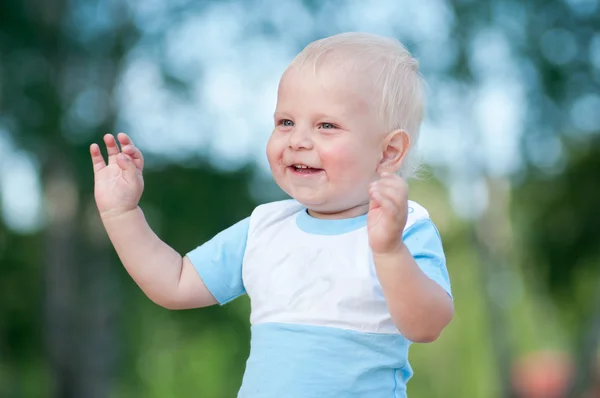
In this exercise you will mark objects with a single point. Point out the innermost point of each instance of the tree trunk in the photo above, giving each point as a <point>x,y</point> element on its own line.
<point>61,298</point>
<point>81,294</point>
<point>490,244</point>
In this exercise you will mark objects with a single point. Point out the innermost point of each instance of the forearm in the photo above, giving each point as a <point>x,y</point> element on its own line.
<point>153,265</point>
<point>420,308</point>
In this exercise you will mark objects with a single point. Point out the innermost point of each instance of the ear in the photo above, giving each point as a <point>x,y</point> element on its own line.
<point>395,148</point>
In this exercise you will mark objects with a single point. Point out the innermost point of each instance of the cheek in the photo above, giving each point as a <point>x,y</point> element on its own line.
<point>273,151</point>
<point>351,160</point>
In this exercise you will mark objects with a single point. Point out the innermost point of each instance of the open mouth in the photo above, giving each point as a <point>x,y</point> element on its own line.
<point>303,169</point>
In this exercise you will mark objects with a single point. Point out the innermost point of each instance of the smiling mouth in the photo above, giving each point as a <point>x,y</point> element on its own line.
<point>303,169</point>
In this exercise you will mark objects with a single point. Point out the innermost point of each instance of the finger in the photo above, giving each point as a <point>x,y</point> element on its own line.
<point>111,148</point>
<point>391,191</point>
<point>124,139</point>
<point>135,154</point>
<point>126,164</point>
<point>131,150</point>
<point>372,189</point>
<point>380,200</point>
<point>375,194</point>
<point>390,178</point>
<point>397,185</point>
<point>373,202</point>
<point>97,159</point>
<point>400,203</point>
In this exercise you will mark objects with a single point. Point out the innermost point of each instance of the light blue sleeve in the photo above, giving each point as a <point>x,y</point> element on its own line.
<point>425,244</point>
<point>219,262</point>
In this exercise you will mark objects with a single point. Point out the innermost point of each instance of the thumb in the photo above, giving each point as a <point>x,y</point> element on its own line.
<point>126,165</point>
<point>372,203</point>
<point>373,200</point>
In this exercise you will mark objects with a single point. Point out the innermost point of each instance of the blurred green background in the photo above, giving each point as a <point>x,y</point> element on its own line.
<point>511,144</point>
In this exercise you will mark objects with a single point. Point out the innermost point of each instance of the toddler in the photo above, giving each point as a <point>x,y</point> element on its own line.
<point>344,276</point>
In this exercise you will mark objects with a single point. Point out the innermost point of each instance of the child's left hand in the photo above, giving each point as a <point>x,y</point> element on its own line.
<point>388,211</point>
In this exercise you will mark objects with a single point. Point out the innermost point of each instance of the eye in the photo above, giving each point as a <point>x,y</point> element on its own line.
<point>286,123</point>
<point>328,126</point>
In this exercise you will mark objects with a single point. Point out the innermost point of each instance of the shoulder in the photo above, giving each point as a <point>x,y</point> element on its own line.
<point>416,213</point>
<point>420,233</point>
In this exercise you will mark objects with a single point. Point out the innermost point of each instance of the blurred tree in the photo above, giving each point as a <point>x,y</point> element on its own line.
<point>61,62</point>
<point>559,226</point>
<point>556,49</point>
<point>46,68</point>
<point>51,67</point>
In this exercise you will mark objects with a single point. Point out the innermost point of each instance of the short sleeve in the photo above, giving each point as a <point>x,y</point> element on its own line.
<point>424,243</point>
<point>219,262</point>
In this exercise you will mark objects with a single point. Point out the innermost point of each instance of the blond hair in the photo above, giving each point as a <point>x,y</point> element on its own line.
<point>396,79</point>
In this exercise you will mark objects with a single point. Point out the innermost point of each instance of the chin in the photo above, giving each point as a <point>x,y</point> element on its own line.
<point>310,203</point>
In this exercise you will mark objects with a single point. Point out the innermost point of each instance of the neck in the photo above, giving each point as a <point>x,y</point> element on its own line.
<point>355,211</point>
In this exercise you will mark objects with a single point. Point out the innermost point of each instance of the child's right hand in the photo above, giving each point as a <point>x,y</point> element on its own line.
<point>118,186</point>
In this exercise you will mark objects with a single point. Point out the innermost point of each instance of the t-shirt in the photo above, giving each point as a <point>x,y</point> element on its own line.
<point>320,326</point>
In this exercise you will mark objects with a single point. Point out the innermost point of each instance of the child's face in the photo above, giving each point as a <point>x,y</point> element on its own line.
<point>327,142</point>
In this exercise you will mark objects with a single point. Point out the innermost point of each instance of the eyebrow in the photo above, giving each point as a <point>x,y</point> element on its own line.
<point>327,116</point>
<point>280,114</point>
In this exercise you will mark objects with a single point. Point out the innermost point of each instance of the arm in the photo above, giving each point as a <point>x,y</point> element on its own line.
<point>165,277</point>
<point>419,306</point>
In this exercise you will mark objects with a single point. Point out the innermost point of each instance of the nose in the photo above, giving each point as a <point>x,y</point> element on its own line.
<point>300,138</point>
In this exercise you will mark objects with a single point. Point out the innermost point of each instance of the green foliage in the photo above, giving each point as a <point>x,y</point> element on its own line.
<point>109,335</point>
<point>175,353</point>
<point>558,223</point>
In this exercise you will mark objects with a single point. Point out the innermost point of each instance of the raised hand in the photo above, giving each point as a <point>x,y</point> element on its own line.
<point>118,185</point>
<point>388,211</point>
